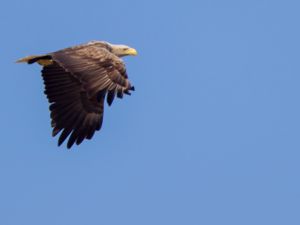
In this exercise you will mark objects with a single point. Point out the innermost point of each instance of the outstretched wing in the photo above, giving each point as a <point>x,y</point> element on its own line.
<point>77,80</point>
<point>72,111</point>
<point>99,71</point>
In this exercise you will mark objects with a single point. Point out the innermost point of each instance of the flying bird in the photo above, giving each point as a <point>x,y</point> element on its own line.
<point>77,82</point>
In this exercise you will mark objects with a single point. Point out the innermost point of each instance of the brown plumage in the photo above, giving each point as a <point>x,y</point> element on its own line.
<point>77,81</point>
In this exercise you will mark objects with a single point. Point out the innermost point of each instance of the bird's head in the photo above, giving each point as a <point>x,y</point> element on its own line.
<point>122,50</point>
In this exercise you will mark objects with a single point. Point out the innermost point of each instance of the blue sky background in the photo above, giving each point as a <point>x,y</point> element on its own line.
<point>211,135</point>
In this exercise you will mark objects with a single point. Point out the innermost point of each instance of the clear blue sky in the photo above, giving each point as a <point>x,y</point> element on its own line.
<point>211,136</point>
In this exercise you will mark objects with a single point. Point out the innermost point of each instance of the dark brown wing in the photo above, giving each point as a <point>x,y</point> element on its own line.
<point>72,111</point>
<point>97,69</point>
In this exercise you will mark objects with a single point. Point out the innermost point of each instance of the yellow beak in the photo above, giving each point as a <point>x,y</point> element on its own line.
<point>131,51</point>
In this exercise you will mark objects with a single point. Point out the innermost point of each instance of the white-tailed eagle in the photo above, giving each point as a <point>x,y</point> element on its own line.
<point>77,81</point>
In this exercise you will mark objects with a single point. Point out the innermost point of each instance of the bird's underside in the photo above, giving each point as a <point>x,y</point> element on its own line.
<point>77,82</point>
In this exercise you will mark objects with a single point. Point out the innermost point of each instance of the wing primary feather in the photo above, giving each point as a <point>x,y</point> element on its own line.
<point>127,92</point>
<point>64,135</point>
<point>76,130</point>
<point>110,97</point>
<point>55,131</point>
<point>120,94</point>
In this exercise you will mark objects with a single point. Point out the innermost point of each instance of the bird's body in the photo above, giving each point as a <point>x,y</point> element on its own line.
<point>77,81</point>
